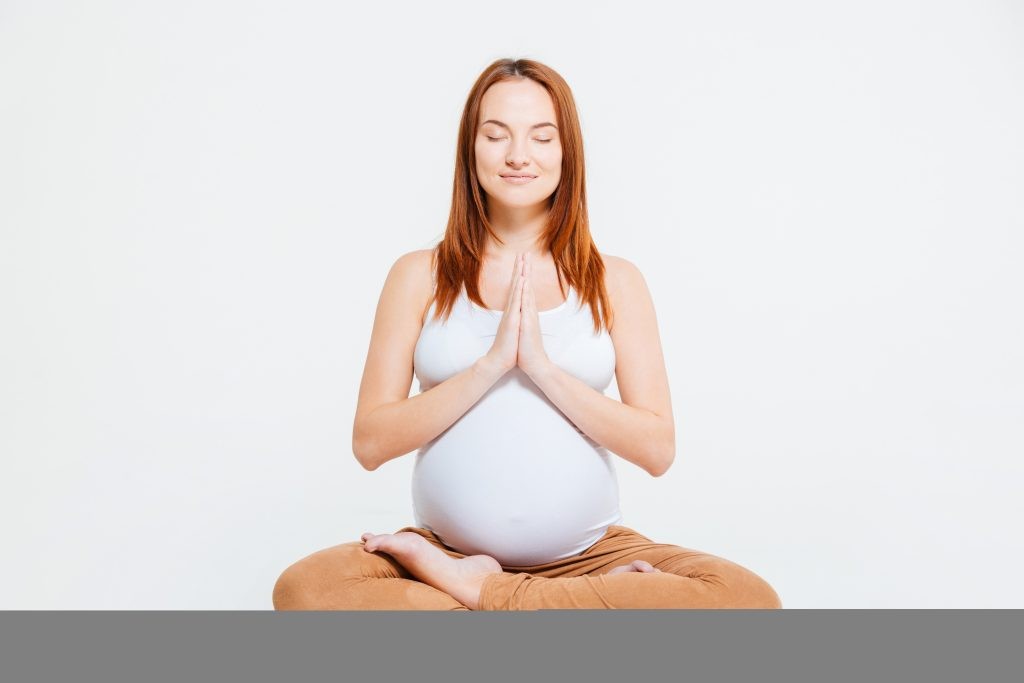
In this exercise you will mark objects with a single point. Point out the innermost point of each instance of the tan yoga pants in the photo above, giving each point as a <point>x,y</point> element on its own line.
<point>347,577</point>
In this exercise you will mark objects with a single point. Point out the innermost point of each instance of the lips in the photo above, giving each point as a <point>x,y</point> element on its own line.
<point>518,179</point>
<point>517,175</point>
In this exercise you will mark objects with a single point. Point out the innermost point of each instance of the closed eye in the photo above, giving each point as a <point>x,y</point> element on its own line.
<point>496,139</point>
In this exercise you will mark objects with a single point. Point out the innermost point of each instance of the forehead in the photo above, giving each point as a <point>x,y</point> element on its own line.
<point>517,103</point>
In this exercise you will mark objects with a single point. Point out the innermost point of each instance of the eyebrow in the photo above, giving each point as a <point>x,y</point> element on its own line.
<point>505,125</point>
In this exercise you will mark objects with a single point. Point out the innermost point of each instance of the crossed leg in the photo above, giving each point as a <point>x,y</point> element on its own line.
<point>346,577</point>
<point>689,579</point>
<point>412,569</point>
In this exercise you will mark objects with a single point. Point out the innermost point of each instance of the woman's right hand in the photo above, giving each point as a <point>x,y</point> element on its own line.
<point>505,349</point>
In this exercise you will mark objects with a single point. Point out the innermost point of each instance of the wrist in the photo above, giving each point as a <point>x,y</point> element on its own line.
<point>541,371</point>
<point>489,368</point>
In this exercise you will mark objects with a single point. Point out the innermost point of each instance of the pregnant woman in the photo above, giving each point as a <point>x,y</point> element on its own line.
<point>514,326</point>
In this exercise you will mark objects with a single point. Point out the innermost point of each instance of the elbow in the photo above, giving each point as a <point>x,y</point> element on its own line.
<point>663,458</point>
<point>362,452</point>
<point>365,444</point>
<point>662,464</point>
<point>660,467</point>
<point>365,460</point>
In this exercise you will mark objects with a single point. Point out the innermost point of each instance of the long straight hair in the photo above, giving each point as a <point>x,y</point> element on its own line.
<point>456,259</point>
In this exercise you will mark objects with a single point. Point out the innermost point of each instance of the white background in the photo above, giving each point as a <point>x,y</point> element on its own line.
<point>199,202</point>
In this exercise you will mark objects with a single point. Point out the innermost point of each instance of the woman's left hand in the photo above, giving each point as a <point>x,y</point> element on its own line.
<point>532,358</point>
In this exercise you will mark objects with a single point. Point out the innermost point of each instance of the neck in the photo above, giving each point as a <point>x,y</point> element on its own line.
<point>521,230</point>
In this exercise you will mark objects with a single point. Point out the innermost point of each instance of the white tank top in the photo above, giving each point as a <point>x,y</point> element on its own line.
<point>513,477</point>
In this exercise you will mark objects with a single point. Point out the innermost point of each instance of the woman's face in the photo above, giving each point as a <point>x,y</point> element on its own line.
<point>517,133</point>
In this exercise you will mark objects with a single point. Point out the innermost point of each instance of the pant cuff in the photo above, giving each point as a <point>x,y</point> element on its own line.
<point>498,590</point>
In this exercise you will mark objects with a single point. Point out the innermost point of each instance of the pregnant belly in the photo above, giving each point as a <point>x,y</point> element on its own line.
<point>524,501</point>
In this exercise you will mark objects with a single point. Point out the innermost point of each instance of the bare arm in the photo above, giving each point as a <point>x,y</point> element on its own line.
<point>640,428</point>
<point>388,422</point>
<point>394,429</point>
<point>634,434</point>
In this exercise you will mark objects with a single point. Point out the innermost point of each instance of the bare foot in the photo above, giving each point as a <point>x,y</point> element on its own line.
<point>460,579</point>
<point>635,566</point>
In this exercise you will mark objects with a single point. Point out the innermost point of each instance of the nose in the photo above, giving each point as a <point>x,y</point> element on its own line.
<point>517,155</point>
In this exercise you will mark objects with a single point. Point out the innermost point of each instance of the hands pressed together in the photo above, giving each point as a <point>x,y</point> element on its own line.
<point>518,340</point>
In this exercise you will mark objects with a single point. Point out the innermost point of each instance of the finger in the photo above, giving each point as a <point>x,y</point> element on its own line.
<point>517,304</point>
<point>515,278</point>
<point>529,280</point>
<point>515,271</point>
<point>524,298</point>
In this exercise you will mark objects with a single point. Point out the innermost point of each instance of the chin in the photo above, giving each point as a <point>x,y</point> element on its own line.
<point>509,195</point>
<point>520,202</point>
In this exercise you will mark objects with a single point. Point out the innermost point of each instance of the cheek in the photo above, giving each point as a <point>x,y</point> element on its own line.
<point>487,154</point>
<point>553,163</point>
<point>552,156</point>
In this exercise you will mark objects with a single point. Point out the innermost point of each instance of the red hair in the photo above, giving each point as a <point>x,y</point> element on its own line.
<point>456,260</point>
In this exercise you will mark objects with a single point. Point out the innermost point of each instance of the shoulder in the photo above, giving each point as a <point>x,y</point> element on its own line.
<point>413,270</point>
<point>413,262</point>
<point>412,277</point>
<point>623,278</point>
<point>632,305</point>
